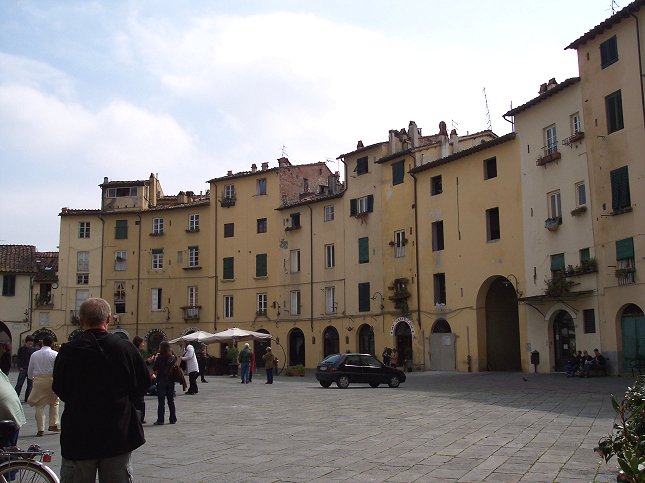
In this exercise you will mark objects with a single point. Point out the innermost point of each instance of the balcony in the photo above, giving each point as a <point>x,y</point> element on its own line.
<point>227,202</point>
<point>552,224</point>
<point>626,276</point>
<point>43,300</point>
<point>73,317</point>
<point>550,153</point>
<point>292,228</point>
<point>574,138</point>
<point>191,312</point>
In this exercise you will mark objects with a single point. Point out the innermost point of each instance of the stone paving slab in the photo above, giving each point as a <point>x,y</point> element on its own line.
<point>435,427</point>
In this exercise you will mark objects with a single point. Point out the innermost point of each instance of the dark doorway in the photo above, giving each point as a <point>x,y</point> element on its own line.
<point>403,342</point>
<point>502,327</point>
<point>296,347</point>
<point>330,341</point>
<point>366,339</point>
<point>260,348</point>
<point>632,324</point>
<point>564,340</point>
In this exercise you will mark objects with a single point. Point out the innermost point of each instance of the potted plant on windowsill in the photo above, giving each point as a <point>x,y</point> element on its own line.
<point>552,224</point>
<point>558,286</point>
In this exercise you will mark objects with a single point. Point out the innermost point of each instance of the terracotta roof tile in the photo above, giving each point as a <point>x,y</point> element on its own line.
<point>18,258</point>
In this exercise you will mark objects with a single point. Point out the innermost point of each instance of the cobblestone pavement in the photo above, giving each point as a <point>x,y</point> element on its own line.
<point>436,427</point>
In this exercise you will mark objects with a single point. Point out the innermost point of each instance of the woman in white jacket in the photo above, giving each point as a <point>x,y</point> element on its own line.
<point>192,368</point>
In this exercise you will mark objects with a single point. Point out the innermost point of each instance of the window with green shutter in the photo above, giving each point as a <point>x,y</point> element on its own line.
<point>614,111</point>
<point>261,265</point>
<point>398,172</point>
<point>364,297</point>
<point>625,249</point>
<point>557,263</point>
<point>121,231</point>
<point>229,268</point>
<point>363,250</point>
<point>361,165</point>
<point>620,196</point>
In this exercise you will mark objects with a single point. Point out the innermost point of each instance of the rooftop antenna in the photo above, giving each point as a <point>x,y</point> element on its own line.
<point>284,151</point>
<point>614,6</point>
<point>455,125</point>
<point>488,123</point>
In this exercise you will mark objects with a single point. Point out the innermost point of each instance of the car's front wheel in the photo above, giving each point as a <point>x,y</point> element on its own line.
<point>325,384</point>
<point>343,382</point>
<point>394,381</point>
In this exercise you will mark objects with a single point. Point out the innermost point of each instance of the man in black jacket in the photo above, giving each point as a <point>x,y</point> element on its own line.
<point>99,376</point>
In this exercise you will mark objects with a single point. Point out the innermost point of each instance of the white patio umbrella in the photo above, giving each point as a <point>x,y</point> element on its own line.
<point>197,336</point>
<point>234,334</point>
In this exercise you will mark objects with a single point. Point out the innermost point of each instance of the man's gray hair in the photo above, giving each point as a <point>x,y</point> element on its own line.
<point>94,311</point>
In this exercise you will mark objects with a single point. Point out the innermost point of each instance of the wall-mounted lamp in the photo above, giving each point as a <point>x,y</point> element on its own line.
<point>516,287</point>
<point>276,305</point>
<point>379,294</point>
<point>167,310</point>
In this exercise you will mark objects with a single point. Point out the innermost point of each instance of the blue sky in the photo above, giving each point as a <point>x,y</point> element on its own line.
<point>192,89</point>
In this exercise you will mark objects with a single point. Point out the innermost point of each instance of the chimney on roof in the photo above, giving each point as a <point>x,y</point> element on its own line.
<point>454,140</point>
<point>359,144</point>
<point>254,167</point>
<point>283,162</point>
<point>552,83</point>
<point>265,166</point>
<point>413,134</point>
<point>542,89</point>
<point>229,172</point>
<point>105,180</point>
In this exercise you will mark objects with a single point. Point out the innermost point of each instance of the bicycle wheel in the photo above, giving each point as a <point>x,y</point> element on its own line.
<point>26,471</point>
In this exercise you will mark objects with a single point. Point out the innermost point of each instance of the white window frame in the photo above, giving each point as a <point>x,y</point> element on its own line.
<point>82,262</point>
<point>330,300</point>
<point>119,294</point>
<point>193,222</point>
<point>329,213</point>
<point>157,261</point>
<point>550,140</point>
<point>399,243</point>
<point>193,293</point>
<point>262,303</point>
<point>193,256</point>
<point>84,229</point>
<point>120,261</point>
<point>156,299</point>
<point>581,194</point>
<point>81,296</point>
<point>157,226</point>
<point>330,256</point>
<point>554,204</point>
<point>294,261</point>
<point>82,279</point>
<point>295,302</point>
<point>361,205</point>
<point>228,306</point>
<point>576,123</point>
<point>229,191</point>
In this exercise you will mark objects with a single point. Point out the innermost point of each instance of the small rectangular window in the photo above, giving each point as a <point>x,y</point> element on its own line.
<point>119,297</point>
<point>193,257</point>
<point>576,123</point>
<point>262,303</point>
<point>120,261</point>
<point>363,250</point>
<point>8,285</point>
<point>157,300</point>
<point>437,236</point>
<point>294,261</point>
<point>361,166</point>
<point>439,280</point>
<point>295,302</point>
<point>550,140</point>
<point>555,208</point>
<point>229,192</point>
<point>84,229</point>
<point>436,187</point>
<point>83,262</point>
<point>329,213</point>
<point>261,265</point>
<point>398,172</point>
<point>229,230</point>
<point>82,279</point>
<point>330,256</point>
<point>261,186</point>
<point>589,318</point>
<point>364,297</point>
<point>581,194</point>
<point>620,194</point>
<point>557,265</point>
<point>490,168</point>
<point>262,225</point>
<point>228,271</point>
<point>157,226</point>
<point>157,258</point>
<point>585,255</point>
<point>399,243</point>
<point>608,52</point>
<point>614,110</point>
<point>228,306</point>
<point>121,230</point>
<point>193,222</point>
<point>358,206</point>
<point>295,220</point>
<point>492,224</point>
<point>330,300</point>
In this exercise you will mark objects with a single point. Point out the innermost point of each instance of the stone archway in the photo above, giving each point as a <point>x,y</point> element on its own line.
<point>40,333</point>
<point>331,341</point>
<point>502,327</point>
<point>296,347</point>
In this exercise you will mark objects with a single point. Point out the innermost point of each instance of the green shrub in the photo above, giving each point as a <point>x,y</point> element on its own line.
<point>627,441</point>
<point>297,370</point>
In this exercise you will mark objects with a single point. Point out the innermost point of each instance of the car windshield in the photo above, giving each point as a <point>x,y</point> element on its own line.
<point>332,359</point>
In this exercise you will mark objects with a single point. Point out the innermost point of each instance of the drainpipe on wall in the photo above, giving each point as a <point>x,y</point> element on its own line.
<point>138,276</point>
<point>311,268</point>
<point>216,218</point>
<point>416,253</point>
<point>640,65</point>
<point>102,254</point>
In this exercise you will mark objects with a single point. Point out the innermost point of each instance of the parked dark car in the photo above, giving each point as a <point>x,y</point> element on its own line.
<point>345,368</point>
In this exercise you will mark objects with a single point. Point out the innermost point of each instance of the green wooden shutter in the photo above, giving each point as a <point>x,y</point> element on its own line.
<point>261,265</point>
<point>229,268</point>
<point>363,250</point>
<point>370,203</point>
<point>557,262</point>
<point>625,249</point>
<point>121,232</point>
<point>620,196</point>
<point>353,209</point>
<point>398,170</point>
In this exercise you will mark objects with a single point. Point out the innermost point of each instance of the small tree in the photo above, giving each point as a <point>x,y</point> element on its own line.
<point>627,442</point>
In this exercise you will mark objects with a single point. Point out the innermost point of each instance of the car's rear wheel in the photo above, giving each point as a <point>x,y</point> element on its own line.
<point>325,384</point>
<point>394,381</point>
<point>374,384</point>
<point>343,382</point>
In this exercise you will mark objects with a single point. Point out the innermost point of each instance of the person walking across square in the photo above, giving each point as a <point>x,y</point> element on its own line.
<point>192,368</point>
<point>41,371</point>
<point>24,354</point>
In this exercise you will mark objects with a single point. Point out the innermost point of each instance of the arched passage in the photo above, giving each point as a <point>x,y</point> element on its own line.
<point>403,342</point>
<point>260,348</point>
<point>632,324</point>
<point>296,347</point>
<point>442,347</point>
<point>5,334</point>
<point>40,333</point>
<point>502,327</point>
<point>330,341</point>
<point>564,339</point>
<point>153,338</point>
<point>366,339</point>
